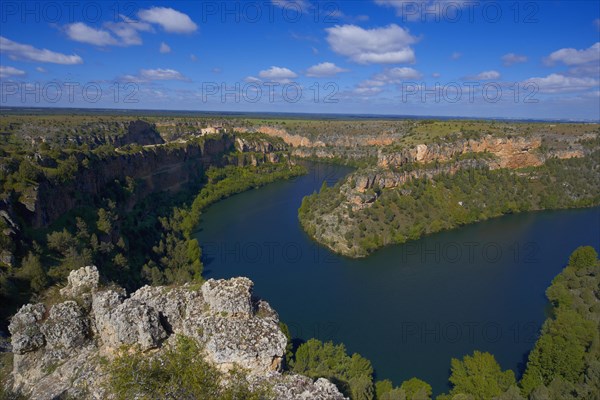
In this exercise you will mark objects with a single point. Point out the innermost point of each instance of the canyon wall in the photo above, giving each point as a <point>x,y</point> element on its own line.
<point>509,152</point>
<point>155,168</point>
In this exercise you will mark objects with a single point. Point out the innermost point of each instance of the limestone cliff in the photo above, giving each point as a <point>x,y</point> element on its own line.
<point>57,348</point>
<point>356,188</point>
<point>156,168</point>
<point>489,152</point>
<point>254,151</point>
<point>291,139</point>
<point>353,207</point>
<point>510,152</point>
<point>138,132</point>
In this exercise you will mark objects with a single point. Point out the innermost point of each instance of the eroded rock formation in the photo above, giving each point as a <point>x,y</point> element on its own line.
<point>157,168</point>
<point>509,152</point>
<point>57,348</point>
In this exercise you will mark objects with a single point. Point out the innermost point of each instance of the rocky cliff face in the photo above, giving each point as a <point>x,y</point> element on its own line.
<point>138,132</point>
<point>357,193</point>
<point>158,168</point>
<point>510,152</point>
<point>291,139</point>
<point>494,152</point>
<point>256,151</point>
<point>57,349</point>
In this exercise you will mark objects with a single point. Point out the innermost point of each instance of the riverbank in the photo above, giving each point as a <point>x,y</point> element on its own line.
<point>354,218</point>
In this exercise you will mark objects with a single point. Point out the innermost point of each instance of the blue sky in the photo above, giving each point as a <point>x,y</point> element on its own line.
<point>421,57</point>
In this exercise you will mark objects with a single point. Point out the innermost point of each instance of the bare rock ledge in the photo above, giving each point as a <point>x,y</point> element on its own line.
<point>57,348</point>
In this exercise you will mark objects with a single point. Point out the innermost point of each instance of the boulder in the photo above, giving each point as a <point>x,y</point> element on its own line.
<point>173,305</point>
<point>83,280</point>
<point>233,296</point>
<point>128,323</point>
<point>66,327</point>
<point>255,344</point>
<point>25,328</point>
<point>299,387</point>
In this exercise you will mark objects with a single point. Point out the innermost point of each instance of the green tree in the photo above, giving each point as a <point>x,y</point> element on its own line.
<point>32,271</point>
<point>416,389</point>
<point>513,393</point>
<point>383,387</point>
<point>480,376</point>
<point>104,222</point>
<point>323,187</point>
<point>560,351</point>
<point>67,169</point>
<point>28,171</point>
<point>582,257</point>
<point>61,241</point>
<point>394,394</point>
<point>289,353</point>
<point>353,375</point>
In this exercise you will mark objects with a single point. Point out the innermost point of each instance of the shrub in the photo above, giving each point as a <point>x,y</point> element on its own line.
<point>177,372</point>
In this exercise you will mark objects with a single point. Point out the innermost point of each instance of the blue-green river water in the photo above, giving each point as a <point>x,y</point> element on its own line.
<point>408,308</point>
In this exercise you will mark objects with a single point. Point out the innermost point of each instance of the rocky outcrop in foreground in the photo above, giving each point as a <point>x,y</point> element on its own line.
<point>57,349</point>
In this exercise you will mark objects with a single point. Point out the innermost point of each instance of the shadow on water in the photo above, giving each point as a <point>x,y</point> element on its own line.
<point>522,365</point>
<point>408,308</point>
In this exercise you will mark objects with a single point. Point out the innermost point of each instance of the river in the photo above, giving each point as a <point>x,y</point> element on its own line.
<point>408,308</point>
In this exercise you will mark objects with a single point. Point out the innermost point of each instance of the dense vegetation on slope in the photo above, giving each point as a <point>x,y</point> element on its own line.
<point>176,242</point>
<point>132,236</point>
<point>563,365</point>
<point>423,206</point>
<point>565,361</point>
<point>353,375</point>
<point>151,243</point>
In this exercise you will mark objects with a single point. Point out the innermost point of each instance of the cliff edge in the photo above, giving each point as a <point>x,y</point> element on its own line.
<point>58,349</point>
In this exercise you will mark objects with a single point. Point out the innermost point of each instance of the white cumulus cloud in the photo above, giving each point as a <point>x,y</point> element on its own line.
<point>162,75</point>
<point>570,56</point>
<point>590,70</point>
<point>558,83</point>
<point>128,30</point>
<point>485,76</point>
<point>122,33</point>
<point>397,75</point>
<point>386,45</point>
<point>159,74</point>
<point>278,74</point>
<point>7,72</point>
<point>324,69</point>
<point>390,76</point>
<point>365,90</point>
<point>164,48</point>
<point>512,58</point>
<point>83,33</point>
<point>19,51</point>
<point>169,19</point>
